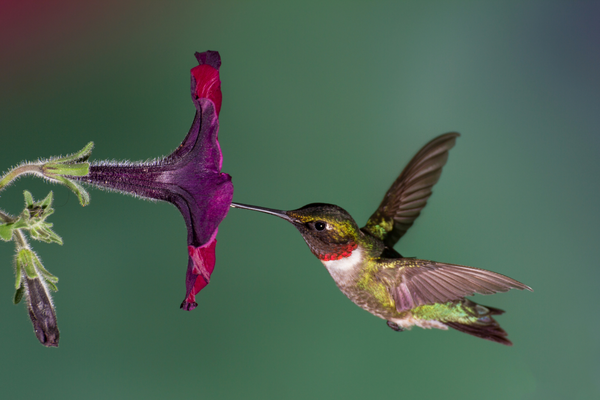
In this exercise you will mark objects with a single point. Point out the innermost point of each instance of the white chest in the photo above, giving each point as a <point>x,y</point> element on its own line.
<point>342,269</point>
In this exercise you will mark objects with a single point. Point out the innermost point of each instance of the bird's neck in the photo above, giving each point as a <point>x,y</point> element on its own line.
<point>346,269</point>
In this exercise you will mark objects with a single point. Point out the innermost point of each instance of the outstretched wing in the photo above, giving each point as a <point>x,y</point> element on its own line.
<point>414,282</point>
<point>408,195</point>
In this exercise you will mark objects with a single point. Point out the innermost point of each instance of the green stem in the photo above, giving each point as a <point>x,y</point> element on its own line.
<point>6,218</point>
<point>20,239</point>
<point>27,169</point>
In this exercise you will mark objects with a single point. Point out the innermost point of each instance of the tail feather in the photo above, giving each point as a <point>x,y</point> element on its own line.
<point>484,326</point>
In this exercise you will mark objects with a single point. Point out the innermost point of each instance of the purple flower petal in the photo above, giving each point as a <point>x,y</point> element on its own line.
<point>190,178</point>
<point>196,187</point>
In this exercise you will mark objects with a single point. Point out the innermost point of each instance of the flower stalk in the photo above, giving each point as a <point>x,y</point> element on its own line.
<point>56,169</point>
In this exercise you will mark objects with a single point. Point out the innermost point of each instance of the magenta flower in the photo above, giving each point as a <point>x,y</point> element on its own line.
<point>190,178</point>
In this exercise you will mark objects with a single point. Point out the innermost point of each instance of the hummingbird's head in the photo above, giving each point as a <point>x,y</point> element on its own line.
<point>329,231</point>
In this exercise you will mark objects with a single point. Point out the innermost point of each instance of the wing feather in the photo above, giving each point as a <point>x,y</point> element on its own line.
<point>414,282</point>
<point>407,196</point>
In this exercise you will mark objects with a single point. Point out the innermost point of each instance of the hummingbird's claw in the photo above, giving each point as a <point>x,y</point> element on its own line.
<point>395,326</point>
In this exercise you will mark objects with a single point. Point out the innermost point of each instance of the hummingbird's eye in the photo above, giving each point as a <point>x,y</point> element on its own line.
<point>320,225</point>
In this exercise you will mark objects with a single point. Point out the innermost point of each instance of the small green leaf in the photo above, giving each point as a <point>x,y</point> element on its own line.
<point>25,262</point>
<point>47,202</point>
<point>52,237</point>
<point>53,169</point>
<point>29,262</point>
<point>30,270</point>
<point>40,230</point>
<point>6,232</point>
<point>19,276</point>
<point>33,219</point>
<point>47,275</point>
<point>19,294</point>
<point>82,194</point>
<point>28,198</point>
<point>81,155</point>
<point>45,234</point>
<point>51,285</point>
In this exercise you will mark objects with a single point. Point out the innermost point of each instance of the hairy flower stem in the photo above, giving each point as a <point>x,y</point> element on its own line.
<point>27,169</point>
<point>6,218</point>
<point>20,240</point>
<point>136,179</point>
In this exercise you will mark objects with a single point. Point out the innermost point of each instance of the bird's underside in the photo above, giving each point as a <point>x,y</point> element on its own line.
<point>410,292</point>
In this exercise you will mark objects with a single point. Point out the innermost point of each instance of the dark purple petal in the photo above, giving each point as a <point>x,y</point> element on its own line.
<point>197,188</point>
<point>189,178</point>
<point>209,57</point>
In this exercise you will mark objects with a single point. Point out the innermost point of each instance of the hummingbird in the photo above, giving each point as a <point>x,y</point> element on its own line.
<point>404,291</point>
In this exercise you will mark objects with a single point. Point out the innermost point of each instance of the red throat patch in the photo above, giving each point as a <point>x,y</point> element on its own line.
<point>343,253</point>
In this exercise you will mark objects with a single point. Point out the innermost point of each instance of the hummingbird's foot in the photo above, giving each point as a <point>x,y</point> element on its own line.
<point>395,326</point>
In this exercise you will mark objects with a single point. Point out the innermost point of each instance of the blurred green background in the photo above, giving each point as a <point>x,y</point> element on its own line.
<point>323,101</point>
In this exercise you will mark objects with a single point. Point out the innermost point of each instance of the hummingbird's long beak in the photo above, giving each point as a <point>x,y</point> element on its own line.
<point>278,213</point>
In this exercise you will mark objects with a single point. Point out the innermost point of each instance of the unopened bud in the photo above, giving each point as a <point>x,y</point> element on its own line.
<point>41,312</point>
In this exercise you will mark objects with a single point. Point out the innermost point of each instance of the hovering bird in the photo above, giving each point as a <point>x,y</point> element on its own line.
<point>403,291</point>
